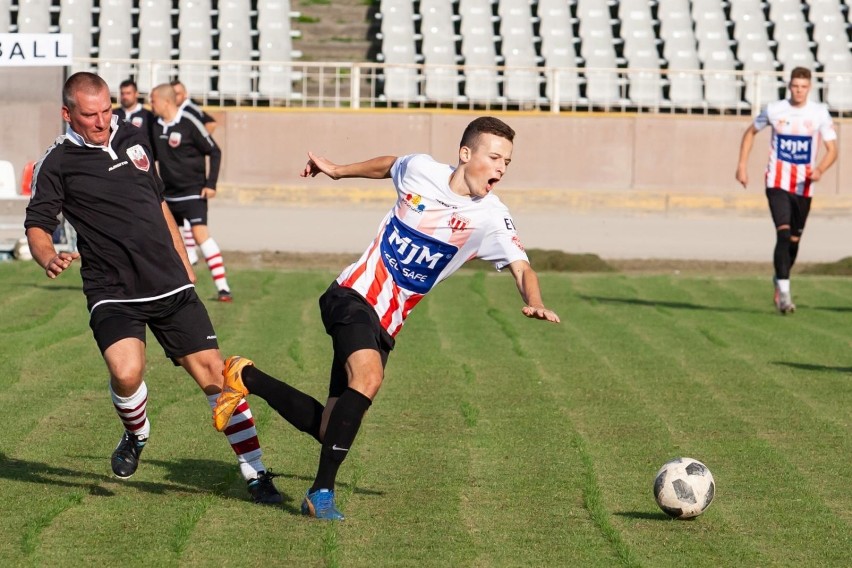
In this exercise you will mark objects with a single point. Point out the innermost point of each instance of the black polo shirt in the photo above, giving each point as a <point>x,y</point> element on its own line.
<point>113,198</point>
<point>182,147</point>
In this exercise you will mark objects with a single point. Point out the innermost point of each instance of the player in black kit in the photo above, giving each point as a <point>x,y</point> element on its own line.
<point>100,175</point>
<point>131,110</point>
<point>183,147</point>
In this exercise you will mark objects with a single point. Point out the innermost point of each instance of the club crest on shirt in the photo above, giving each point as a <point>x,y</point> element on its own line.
<point>136,121</point>
<point>139,158</point>
<point>458,223</point>
<point>174,139</point>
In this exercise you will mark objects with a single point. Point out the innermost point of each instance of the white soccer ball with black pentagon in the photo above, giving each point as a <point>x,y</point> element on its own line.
<point>684,488</point>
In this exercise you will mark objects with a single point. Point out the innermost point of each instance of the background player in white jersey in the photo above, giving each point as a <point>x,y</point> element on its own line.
<point>797,124</point>
<point>444,216</point>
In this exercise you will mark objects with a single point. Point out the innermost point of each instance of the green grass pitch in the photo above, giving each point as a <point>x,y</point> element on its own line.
<point>495,441</point>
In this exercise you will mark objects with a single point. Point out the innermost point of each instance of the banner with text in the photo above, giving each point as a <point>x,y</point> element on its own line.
<point>35,50</point>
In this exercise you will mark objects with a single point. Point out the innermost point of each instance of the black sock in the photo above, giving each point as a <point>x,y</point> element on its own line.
<point>302,411</point>
<point>342,428</point>
<point>794,251</point>
<point>782,255</point>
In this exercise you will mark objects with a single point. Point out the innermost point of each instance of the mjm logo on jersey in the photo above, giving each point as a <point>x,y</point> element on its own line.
<point>794,149</point>
<point>415,260</point>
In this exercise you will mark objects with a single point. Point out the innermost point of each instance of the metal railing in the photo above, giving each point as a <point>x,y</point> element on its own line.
<point>382,85</point>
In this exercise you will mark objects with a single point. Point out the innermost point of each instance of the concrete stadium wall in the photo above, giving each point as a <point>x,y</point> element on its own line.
<point>678,154</point>
<point>622,157</point>
<point>30,118</point>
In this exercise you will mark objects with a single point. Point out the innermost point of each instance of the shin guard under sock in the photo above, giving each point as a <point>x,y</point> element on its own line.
<point>343,425</point>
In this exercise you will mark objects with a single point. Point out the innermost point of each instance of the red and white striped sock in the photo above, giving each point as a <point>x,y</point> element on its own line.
<point>189,242</point>
<point>242,435</point>
<point>213,256</point>
<point>132,411</point>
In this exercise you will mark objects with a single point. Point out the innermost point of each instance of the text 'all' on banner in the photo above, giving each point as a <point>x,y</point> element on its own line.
<point>36,50</point>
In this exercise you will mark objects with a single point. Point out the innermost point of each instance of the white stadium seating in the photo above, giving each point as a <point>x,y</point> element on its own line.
<point>693,54</point>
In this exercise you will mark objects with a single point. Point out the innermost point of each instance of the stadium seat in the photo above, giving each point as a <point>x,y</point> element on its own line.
<point>34,17</point>
<point>275,50</point>
<point>721,88</point>
<point>116,42</point>
<point>521,79</point>
<point>155,44</point>
<point>645,88</point>
<point>563,87</point>
<point>235,52</point>
<point>838,82</point>
<point>5,18</point>
<point>603,87</point>
<point>685,88</point>
<point>558,42</point>
<point>681,53</point>
<point>195,44</point>
<point>75,18</point>
<point>674,16</point>
<point>481,80</point>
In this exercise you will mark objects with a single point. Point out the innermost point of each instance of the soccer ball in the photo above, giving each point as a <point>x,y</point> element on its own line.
<point>684,488</point>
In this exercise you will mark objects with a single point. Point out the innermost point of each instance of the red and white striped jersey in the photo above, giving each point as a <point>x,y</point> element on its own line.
<point>796,133</point>
<point>429,234</point>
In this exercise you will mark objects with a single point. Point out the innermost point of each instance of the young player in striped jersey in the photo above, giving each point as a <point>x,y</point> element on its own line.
<point>444,216</point>
<point>100,175</point>
<point>183,147</point>
<point>797,125</point>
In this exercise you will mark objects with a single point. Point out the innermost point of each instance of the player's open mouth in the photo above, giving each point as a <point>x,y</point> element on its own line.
<point>491,183</point>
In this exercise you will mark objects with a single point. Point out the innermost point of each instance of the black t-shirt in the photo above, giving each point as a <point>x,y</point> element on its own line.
<point>113,198</point>
<point>182,147</point>
<point>140,117</point>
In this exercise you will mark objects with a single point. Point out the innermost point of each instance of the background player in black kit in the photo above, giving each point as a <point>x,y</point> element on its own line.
<point>183,146</point>
<point>101,176</point>
<point>185,103</point>
<point>131,110</point>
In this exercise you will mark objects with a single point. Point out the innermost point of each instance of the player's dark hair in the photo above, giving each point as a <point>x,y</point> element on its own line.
<point>800,73</point>
<point>128,83</point>
<point>81,81</point>
<point>486,125</point>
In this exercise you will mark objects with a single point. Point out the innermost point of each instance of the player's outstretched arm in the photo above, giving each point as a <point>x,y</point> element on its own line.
<point>44,253</point>
<point>527,282</point>
<point>745,150</point>
<point>376,168</point>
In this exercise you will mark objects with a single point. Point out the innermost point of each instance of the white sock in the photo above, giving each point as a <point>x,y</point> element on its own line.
<point>242,435</point>
<point>213,256</point>
<point>784,286</point>
<point>132,411</point>
<point>189,242</point>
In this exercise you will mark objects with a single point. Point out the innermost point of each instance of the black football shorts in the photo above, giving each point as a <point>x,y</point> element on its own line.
<point>179,322</point>
<point>353,325</point>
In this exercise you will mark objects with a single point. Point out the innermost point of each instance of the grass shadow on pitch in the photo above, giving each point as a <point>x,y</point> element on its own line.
<point>644,515</point>
<point>664,304</point>
<point>814,367</point>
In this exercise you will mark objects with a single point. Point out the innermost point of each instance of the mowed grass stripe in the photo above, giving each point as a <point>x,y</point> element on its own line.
<point>527,417</point>
<point>519,435</point>
<point>631,430</point>
<point>779,457</point>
